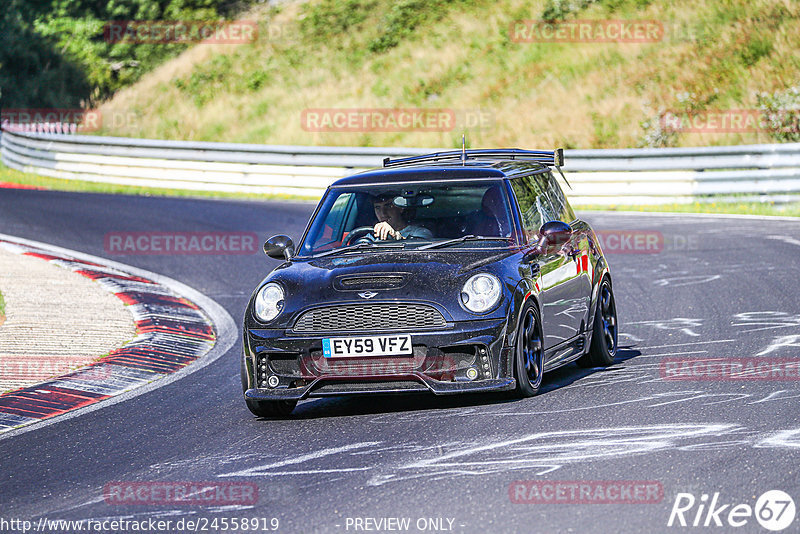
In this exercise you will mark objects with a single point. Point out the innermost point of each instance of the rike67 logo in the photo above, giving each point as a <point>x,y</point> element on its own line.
<point>774,510</point>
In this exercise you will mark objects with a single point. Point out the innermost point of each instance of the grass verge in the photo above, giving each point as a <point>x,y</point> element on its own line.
<point>14,176</point>
<point>2,309</point>
<point>791,209</point>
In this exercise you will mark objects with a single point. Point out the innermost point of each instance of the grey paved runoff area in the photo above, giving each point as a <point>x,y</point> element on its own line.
<point>56,321</point>
<point>717,288</point>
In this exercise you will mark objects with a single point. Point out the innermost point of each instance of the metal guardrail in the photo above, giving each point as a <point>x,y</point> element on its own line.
<point>616,176</point>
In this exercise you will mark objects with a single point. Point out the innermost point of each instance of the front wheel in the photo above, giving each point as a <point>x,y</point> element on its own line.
<point>529,353</point>
<point>604,334</point>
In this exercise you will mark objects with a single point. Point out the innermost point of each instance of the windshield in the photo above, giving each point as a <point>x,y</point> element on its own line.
<point>409,216</point>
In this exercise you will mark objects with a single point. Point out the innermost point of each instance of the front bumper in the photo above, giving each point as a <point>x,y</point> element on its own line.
<point>285,366</point>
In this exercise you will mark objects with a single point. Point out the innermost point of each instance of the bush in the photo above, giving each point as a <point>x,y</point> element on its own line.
<point>53,53</point>
<point>330,18</point>
<point>404,17</point>
<point>781,110</point>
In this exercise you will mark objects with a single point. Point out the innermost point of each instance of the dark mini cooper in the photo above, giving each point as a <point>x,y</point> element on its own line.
<point>454,272</point>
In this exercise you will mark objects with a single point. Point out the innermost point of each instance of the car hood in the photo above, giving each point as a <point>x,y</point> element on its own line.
<point>432,276</point>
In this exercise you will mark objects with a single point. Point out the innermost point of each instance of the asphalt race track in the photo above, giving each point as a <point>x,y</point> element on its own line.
<point>711,288</point>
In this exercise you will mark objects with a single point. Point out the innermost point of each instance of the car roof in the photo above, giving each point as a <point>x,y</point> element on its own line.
<point>455,171</point>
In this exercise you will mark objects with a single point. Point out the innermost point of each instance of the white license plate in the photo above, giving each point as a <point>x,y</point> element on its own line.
<point>347,347</point>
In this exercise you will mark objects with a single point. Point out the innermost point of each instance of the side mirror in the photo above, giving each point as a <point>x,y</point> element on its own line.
<point>279,247</point>
<point>554,233</point>
<point>551,234</point>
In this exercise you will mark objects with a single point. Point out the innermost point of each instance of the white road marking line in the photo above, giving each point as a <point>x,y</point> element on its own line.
<point>683,344</point>
<point>686,280</point>
<point>311,472</point>
<point>669,354</point>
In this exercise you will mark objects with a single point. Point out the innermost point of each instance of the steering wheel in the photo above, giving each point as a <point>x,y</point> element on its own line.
<point>361,232</point>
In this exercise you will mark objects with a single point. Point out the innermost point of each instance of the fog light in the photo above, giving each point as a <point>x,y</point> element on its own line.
<point>472,373</point>
<point>273,381</point>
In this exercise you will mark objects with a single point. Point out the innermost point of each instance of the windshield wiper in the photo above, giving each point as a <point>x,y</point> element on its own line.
<point>462,239</point>
<point>359,246</point>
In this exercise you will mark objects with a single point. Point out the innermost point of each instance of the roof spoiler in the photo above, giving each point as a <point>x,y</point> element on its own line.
<point>554,158</point>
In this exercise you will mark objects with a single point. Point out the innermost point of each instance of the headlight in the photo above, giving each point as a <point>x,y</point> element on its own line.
<point>269,302</point>
<point>481,293</point>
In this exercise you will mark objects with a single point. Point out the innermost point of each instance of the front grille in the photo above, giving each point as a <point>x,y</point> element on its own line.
<point>381,317</point>
<point>391,281</point>
<point>285,364</point>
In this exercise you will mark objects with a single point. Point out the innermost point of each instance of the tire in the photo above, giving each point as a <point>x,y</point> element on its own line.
<point>528,353</point>
<point>265,408</point>
<point>604,330</point>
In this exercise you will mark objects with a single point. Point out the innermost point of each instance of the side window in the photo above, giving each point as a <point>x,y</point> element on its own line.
<point>555,199</point>
<point>540,200</point>
<point>334,223</point>
<point>529,193</point>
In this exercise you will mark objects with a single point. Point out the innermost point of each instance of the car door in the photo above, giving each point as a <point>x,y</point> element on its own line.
<point>573,286</point>
<point>564,289</point>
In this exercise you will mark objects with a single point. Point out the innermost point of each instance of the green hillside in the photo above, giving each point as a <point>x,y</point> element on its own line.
<point>463,59</point>
<point>62,54</point>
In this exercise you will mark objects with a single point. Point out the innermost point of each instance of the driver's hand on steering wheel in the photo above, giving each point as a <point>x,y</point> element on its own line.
<point>383,230</point>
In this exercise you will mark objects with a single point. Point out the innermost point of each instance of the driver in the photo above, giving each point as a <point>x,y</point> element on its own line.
<point>393,220</point>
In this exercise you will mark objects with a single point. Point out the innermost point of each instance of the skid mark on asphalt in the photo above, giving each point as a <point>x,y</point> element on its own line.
<point>770,320</point>
<point>746,323</point>
<point>540,452</point>
<point>785,239</point>
<point>682,324</point>
<point>685,344</point>
<point>267,469</point>
<point>781,439</point>
<point>776,395</point>
<point>546,450</point>
<point>780,342</point>
<point>216,459</point>
<point>672,354</point>
<point>678,281</point>
<point>765,320</point>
